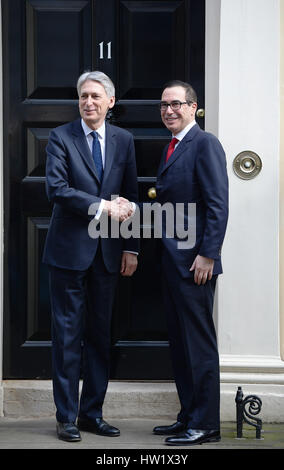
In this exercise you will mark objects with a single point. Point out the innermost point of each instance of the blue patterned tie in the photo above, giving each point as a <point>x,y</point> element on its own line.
<point>97,155</point>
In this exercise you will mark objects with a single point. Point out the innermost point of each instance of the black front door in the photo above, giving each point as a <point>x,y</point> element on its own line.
<point>47,44</point>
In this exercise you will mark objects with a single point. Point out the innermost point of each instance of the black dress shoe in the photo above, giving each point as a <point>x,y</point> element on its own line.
<point>68,432</point>
<point>170,430</point>
<point>194,436</point>
<point>98,426</point>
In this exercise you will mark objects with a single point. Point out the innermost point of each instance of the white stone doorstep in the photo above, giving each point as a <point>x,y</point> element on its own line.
<point>34,398</point>
<point>251,363</point>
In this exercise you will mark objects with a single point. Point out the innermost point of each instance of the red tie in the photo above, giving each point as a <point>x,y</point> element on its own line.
<point>171,148</point>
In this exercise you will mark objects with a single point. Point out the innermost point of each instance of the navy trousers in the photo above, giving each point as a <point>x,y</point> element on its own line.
<point>193,347</point>
<point>81,303</point>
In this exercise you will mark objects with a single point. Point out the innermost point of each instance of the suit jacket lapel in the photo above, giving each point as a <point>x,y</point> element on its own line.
<point>182,146</point>
<point>83,148</point>
<point>110,145</point>
<point>163,160</point>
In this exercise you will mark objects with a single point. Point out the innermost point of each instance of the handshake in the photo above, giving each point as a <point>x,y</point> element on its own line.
<point>119,209</point>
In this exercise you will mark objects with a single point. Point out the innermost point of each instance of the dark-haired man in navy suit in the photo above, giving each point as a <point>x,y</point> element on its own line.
<point>192,171</point>
<point>88,162</point>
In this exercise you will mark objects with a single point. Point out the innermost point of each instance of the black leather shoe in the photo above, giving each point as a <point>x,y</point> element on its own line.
<point>98,426</point>
<point>68,432</point>
<point>170,430</point>
<point>194,436</point>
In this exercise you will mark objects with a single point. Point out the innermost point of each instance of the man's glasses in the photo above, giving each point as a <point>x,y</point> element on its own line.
<point>175,105</point>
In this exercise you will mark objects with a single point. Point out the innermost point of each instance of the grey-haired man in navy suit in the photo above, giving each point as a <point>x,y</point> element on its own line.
<point>88,162</point>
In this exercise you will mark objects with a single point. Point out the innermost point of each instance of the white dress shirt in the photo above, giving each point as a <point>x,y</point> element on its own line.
<point>101,131</point>
<point>183,133</point>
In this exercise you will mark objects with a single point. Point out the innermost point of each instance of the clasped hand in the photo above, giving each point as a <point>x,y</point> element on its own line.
<point>119,209</point>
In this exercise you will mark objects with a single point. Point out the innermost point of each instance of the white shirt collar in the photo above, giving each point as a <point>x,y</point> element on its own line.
<point>182,133</point>
<point>87,130</point>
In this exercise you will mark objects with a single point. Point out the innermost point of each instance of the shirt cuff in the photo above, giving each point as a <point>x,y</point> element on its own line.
<point>100,209</point>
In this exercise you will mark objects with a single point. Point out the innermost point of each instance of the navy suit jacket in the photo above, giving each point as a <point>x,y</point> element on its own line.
<point>196,173</point>
<point>72,185</point>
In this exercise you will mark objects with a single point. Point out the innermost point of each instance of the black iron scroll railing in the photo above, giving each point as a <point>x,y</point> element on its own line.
<point>246,410</point>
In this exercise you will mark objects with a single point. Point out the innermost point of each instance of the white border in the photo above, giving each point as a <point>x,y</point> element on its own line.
<point>1,222</point>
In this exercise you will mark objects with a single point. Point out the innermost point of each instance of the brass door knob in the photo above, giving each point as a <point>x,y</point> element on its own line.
<point>152,193</point>
<point>200,113</point>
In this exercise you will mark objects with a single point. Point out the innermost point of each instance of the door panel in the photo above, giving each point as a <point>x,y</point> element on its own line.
<point>55,58</point>
<point>149,57</point>
<point>47,44</point>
